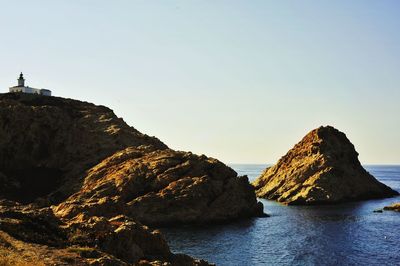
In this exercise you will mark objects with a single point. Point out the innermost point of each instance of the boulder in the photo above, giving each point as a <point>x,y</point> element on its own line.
<point>323,168</point>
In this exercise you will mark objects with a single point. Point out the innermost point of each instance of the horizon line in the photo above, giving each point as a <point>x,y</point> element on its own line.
<point>365,164</point>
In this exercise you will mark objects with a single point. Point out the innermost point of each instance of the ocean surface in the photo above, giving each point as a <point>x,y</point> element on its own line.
<point>345,234</point>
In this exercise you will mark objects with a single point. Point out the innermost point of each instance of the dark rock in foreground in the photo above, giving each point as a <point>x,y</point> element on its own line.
<point>323,168</point>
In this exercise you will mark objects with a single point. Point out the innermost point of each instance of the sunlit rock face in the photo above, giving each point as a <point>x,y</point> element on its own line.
<point>322,168</point>
<point>163,187</point>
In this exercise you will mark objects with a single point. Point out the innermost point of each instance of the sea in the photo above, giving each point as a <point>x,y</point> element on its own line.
<point>344,234</point>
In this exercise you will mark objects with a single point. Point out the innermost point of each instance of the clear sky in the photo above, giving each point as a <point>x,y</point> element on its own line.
<point>241,81</point>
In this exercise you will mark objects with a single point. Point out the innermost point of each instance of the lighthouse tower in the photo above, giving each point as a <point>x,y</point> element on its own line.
<point>21,80</point>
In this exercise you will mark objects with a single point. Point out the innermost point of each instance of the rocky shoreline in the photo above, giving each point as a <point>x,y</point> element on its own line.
<point>80,186</point>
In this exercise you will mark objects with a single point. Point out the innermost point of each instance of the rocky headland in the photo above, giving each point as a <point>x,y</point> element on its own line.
<point>323,168</point>
<point>78,184</point>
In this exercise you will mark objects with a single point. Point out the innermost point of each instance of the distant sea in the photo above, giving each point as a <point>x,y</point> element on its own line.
<point>345,234</point>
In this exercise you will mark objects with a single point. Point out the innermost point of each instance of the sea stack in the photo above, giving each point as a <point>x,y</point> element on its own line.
<point>323,168</point>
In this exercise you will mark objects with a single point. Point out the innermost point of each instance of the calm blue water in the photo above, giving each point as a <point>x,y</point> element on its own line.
<point>346,234</point>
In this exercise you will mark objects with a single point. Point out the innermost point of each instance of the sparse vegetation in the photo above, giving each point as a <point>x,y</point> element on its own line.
<point>8,258</point>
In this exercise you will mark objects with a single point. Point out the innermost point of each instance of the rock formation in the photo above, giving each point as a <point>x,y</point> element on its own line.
<point>322,168</point>
<point>393,207</point>
<point>161,188</point>
<point>56,151</point>
<point>35,236</point>
<point>80,177</point>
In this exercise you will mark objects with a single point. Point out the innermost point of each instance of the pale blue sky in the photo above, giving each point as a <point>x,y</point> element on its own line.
<point>241,81</point>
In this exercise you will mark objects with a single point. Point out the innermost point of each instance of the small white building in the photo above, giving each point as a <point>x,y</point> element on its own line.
<point>25,89</point>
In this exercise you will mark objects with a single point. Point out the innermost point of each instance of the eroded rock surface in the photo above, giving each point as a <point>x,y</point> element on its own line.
<point>163,187</point>
<point>322,168</point>
<point>36,235</point>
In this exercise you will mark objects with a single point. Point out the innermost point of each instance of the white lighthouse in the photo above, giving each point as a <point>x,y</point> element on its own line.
<point>21,88</point>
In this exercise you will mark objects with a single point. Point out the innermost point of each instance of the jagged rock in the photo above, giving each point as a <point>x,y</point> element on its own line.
<point>161,188</point>
<point>322,168</point>
<point>85,240</point>
<point>393,207</point>
<point>120,236</point>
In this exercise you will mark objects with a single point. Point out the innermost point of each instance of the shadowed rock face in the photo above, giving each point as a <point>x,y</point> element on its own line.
<point>52,141</point>
<point>322,168</point>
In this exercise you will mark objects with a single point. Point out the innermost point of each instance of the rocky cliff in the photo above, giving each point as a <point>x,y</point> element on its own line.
<point>93,175</point>
<point>322,168</point>
<point>46,142</point>
<point>81,157</point>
